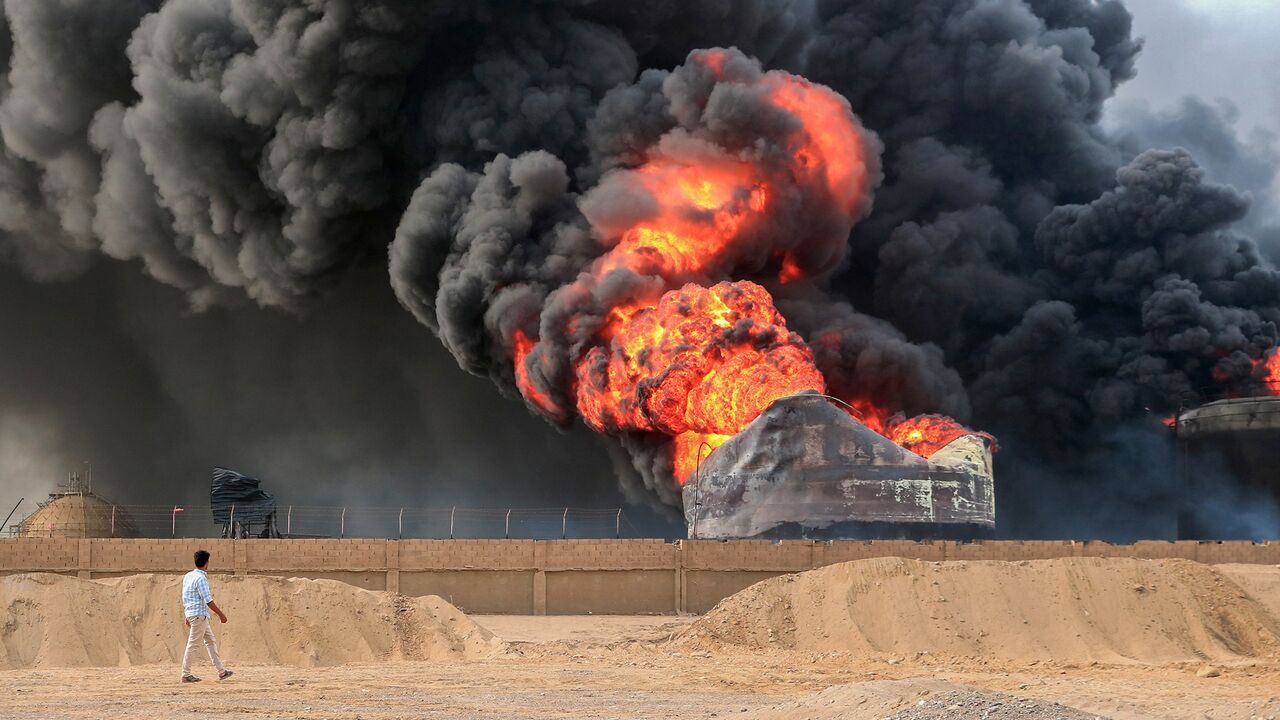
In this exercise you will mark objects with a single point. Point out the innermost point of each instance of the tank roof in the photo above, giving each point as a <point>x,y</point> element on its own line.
<point>77,515</point>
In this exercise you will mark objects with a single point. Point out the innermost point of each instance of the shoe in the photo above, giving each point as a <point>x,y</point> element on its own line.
<point>225,674</point>
<point>190,678</point>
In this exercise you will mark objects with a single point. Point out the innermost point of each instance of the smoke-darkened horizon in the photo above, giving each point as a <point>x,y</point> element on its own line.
<point>200,201</point>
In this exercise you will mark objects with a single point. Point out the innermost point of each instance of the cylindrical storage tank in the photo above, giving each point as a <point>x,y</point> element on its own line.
<point>1229,459</point>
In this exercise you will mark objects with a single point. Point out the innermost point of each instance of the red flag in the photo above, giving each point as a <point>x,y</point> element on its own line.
<point>178,509</point>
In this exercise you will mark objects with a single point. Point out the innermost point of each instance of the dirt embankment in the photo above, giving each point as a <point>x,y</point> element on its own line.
<point>1076,610</point>
<point>53,620</point>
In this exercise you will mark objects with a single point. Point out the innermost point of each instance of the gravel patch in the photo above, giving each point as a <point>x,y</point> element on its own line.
<point>989,706</point>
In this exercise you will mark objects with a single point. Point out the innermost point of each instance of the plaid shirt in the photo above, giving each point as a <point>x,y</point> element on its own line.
<point>196,595</point>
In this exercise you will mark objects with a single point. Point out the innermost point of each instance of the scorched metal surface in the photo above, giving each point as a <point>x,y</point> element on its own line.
<point>806,461</point>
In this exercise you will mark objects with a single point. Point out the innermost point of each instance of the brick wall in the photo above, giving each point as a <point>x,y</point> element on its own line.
<point>560,576</point>
<point>39,554</point>
<point>608,554</point>
<point>139,555</point>
<point>464,554</point>
<point>313,555</point>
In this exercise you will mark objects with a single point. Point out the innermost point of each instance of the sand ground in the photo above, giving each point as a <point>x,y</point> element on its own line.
<point>883,639</point>
<point>615,667</point>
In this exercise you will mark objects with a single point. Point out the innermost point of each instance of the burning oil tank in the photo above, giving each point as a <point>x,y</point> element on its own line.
<point>1236,437</point>
<point>806,465</point>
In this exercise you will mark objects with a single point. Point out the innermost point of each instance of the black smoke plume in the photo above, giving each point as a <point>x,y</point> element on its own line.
<point>1019,267</point>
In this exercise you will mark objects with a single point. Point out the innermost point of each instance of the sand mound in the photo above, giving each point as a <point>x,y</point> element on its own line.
<point>1260,582</point>
<point>1076,609</point>
<point>53,620</point>
<point>917,699</point>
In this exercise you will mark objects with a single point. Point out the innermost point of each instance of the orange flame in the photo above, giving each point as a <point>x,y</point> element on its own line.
<point>868,414</point>
<point>699,363</point>
<point>831,146</point>
<point>690,452</point>
<point>925,435</point>
<point>1270,371</point>
<point>702,361</point>
<point>702,208</point>
<point>524,346</point>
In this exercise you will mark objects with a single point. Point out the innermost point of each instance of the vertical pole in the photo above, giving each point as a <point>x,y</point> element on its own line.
<point>288,522</point>
<point>507,531</point>
<point>173,522</point>
<point>617,525</point>
<point>113,521</point>
<point>400,535</point>
<point>451,512</point>
<point>342,524</point>
<point>1185,527</point>
<point>232,521</point>
<point>564,524</point>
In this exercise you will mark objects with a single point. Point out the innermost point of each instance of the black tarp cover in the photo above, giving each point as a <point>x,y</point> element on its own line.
<point>230,488</point>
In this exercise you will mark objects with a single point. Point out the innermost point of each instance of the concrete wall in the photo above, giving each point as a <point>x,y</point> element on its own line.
<point>503,592</point>
<point>558,576</point>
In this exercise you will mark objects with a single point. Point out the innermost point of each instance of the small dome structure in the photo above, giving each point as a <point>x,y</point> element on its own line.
<point>75,512</point>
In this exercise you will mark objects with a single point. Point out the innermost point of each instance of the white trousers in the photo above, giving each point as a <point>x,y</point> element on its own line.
<point>201,631</point>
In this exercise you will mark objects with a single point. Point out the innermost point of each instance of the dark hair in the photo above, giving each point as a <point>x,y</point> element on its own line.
<point>202,558</point>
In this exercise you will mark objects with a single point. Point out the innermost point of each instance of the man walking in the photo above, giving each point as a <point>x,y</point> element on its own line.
<point>197,601</point>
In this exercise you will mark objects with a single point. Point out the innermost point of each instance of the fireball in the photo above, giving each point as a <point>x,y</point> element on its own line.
<point>706,355</point>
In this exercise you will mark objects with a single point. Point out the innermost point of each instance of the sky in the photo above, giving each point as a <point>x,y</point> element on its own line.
<point>1213,49</point>
<point>1224,53</point>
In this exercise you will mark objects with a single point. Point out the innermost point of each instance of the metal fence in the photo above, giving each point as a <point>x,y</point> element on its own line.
<point>1204,394</point>
<point>302,521</point>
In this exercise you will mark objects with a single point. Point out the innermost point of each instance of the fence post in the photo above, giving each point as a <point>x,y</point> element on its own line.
<point>507,531</point>
<point>564,524</point>
<point>400,535</point>
<point>617,525</point>
<point>113,521</point>
<point>288,522</point>
<point>451,512</point>
<point>342,524</point>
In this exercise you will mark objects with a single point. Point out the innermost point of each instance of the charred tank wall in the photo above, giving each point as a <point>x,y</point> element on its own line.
<point>1237,438</point>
